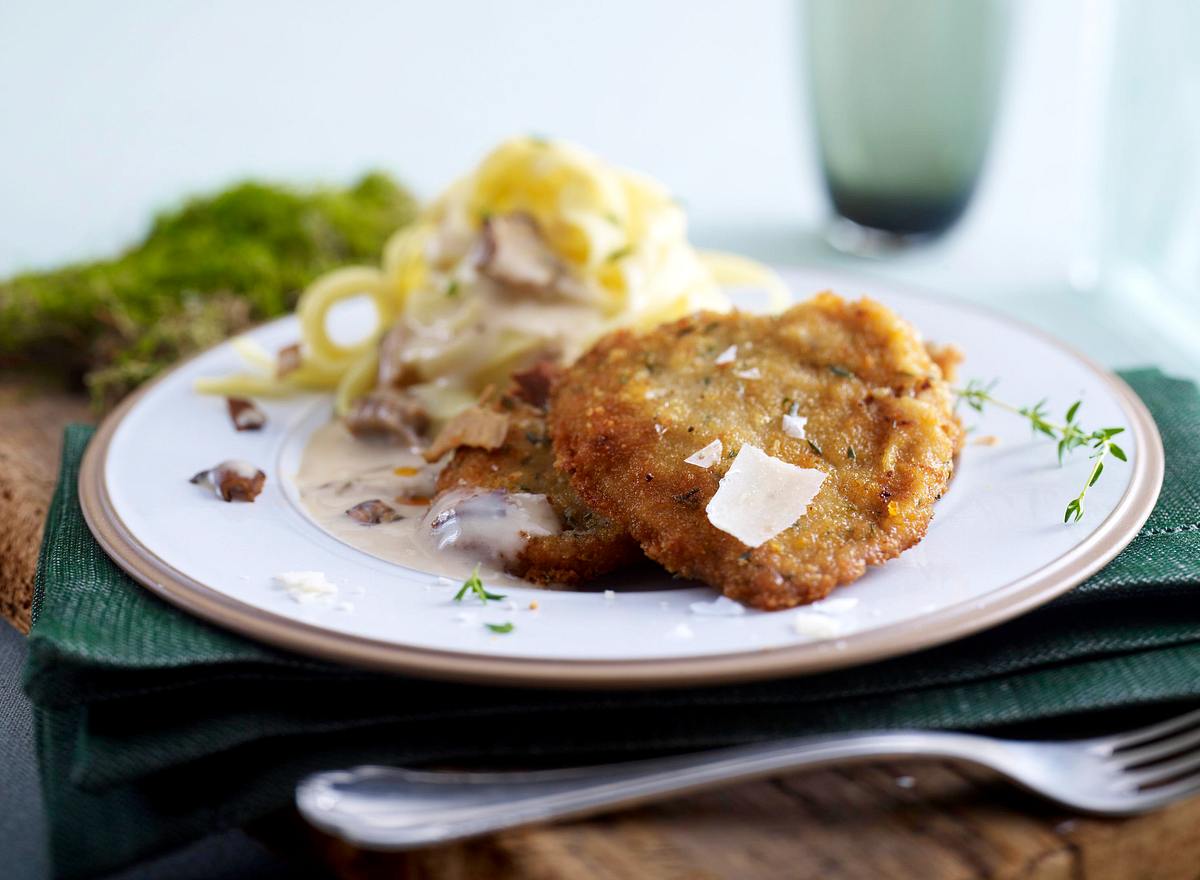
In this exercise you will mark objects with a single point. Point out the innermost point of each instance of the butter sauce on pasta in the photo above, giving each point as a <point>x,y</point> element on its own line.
<point>614,248</point>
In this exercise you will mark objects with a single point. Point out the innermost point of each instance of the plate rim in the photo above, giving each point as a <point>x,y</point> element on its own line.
<point>806,658</point>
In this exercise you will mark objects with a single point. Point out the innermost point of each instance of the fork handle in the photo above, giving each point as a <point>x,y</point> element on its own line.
<point>389,808</point>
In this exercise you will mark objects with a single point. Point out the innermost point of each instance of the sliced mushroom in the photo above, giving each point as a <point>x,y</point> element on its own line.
<point>513,252</point>
<point>373,512</point>
<point>533,383</point>
<point>389,413</point>
<point>478,427</point>
<point>245,414</point>
<point>288,360</point>
<point>232,480</point>
<point>394,371</point>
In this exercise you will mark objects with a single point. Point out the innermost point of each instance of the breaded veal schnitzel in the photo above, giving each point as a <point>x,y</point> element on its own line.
<point>845,391</point>
<point>589,544</point>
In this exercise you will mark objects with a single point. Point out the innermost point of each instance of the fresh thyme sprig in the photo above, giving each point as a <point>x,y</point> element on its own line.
<point>474,586</point>
<point>1069,434</point>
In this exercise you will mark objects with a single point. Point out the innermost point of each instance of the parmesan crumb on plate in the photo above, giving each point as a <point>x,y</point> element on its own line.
<point>815,625</point>
<point>760,496</point>
<point>722,606</point>
<point>706,457</point>
<point>838,605</point>
<point>306,587</point>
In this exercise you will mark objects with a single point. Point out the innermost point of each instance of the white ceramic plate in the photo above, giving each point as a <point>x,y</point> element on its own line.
<point>997,546</point>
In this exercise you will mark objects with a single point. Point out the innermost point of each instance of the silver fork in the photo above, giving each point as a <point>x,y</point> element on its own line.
<point>391,808</point>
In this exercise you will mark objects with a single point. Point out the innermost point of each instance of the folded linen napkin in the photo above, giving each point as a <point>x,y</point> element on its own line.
<point>155,728</point>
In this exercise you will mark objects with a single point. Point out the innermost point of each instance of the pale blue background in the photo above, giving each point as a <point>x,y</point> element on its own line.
<point>112,110</point>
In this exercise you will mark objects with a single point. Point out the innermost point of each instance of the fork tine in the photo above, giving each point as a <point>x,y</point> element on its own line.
<point>1154,731</point>
<point>1167,794</point>
<point>1138,756</point>
<point>1165,771</point>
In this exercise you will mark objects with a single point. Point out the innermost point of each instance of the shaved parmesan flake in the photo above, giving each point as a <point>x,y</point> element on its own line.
<point>307,587</point>
<point>752,373</point>
<point>728,356</point>
<point>655,393</point>
<point>706,457</point>
<point>815,626</point>
<point>722,606</point>
<point>760,496</point>
<point>793,426</point>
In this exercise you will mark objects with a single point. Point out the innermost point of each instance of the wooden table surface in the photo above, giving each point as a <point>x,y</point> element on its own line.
<point>924,821</point>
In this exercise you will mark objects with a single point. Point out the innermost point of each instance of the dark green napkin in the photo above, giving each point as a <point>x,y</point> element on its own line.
<point>155,729</point>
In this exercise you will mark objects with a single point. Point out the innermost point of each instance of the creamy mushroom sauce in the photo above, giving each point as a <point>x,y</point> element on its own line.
<point>338,471</point>
<point>487,523</point>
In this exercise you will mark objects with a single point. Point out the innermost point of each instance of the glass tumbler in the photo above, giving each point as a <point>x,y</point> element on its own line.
<point>904,94</point>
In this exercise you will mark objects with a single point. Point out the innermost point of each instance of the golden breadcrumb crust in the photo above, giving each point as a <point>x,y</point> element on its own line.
<point>880,424</point>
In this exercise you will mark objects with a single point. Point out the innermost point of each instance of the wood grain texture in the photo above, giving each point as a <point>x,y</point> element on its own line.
<point>918,821</point>
<point>32,417</point>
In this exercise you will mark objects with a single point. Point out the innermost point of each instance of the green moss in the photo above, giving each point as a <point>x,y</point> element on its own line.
<point>204,271</point>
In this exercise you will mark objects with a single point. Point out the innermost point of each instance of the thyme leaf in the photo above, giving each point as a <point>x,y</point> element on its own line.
<point>1069,435</point>
<point>474,586</point>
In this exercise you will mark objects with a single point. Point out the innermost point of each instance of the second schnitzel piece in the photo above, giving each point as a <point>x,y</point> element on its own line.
<point>587,544</point>
<point>829,430</point>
